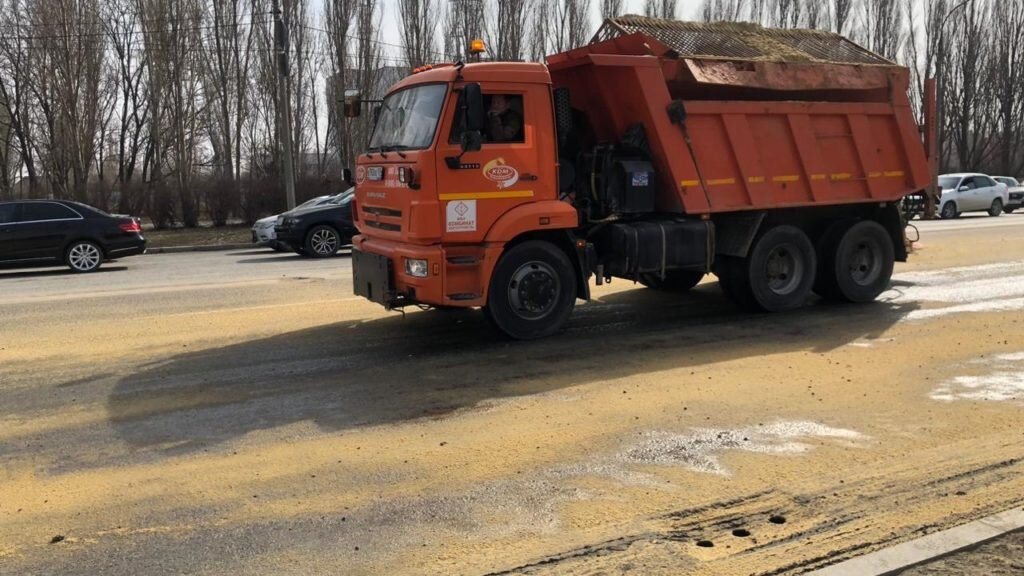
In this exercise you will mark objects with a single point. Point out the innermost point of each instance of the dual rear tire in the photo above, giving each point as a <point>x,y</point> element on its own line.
<point>853,262</point>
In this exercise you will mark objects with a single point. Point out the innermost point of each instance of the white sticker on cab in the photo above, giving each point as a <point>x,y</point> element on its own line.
<point>462,216</point>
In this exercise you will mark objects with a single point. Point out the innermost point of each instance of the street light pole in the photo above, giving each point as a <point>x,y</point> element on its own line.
<point>940,72</point>
<point>284,105</point>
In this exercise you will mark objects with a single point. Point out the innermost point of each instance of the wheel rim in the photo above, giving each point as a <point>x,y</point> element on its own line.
<point>997,206</point>
<point>948,211</point>
<point>534,290</point>
<point>84,257</point>
<point>784,269</point>
<point>324,242</point>
<point>865,262</point>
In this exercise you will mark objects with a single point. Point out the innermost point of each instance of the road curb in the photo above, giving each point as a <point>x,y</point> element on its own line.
<point>215,248</point>
<point>929,548</point>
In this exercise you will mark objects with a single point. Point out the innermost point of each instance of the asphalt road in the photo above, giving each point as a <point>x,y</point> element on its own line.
<point>243,413</point>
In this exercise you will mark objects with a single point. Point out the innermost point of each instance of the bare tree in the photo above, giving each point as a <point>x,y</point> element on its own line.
<point>572,25</point>
<point>356,62</point>
<point>173,49</point>
<point>611,8</point>
<point>508,33</point>
<point>419,20</point>
<point>342,35</point>
<point>816,14</point>
<point>1007,57</point>
<point>727,10</point>
<point>541,31</point>
<point>227,59</point>
<point>66,85</point>
<point>132,111</point>
<point>660,9</point>
<point>842,12</point>
<point>17,60</point>
<point>882,26</point>
<point>970,117</point>
<point>465,22</point>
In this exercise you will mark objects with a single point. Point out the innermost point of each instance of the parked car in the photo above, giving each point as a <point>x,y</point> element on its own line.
<point>1015,191</point>
<point>318,231</point>
<point>263,233</point>
<point>971,193</point>
<point>58,231</point>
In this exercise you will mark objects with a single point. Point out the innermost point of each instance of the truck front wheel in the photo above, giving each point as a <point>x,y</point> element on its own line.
<point>532,291</point>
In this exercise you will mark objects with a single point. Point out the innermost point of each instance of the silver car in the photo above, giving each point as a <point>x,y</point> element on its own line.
<point>970,192</point>
<point>263,230</point>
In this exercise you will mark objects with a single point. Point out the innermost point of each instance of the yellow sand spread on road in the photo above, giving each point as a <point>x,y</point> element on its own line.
<point>538,472</point>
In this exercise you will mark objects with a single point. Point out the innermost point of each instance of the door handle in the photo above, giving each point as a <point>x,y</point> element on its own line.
<point>528,177</point>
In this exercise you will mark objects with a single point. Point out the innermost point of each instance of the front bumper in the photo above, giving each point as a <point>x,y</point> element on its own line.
<point>264,236</point>
<point>378,273</point>
<point>289,235</point>
<point>1016,200</point>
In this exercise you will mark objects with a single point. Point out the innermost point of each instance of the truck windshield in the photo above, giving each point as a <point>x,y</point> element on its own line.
<point>408,119</point>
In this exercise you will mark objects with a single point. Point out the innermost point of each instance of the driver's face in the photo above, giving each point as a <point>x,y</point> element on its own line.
<point>499,104</point>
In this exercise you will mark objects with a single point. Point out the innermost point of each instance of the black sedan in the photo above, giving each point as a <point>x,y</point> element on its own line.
<point>58,231</point>
<point>318,231</point>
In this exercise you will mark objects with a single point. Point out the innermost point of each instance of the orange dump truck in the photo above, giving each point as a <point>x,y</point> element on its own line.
<point>661,152</point>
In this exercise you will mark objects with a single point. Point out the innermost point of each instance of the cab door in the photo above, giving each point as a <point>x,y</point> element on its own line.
<point>514,165</point>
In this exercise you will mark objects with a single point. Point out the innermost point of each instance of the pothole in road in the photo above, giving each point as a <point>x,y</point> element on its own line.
<point>1004,382</point>
<point>741,533</point>
<point>777,519</point>
<point>702,449</point>
<point>705,544</point>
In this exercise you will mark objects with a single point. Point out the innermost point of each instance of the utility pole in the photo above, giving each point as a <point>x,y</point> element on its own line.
<point>284,116</point>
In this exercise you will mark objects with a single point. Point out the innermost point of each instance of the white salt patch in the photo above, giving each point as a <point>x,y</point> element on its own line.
<point>1004,383</point>
<point>701,450</point>
<point>971,289</point>
<point>984,306</point>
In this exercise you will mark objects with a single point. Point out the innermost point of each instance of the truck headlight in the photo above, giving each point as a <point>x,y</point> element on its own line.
<point>416,268</point>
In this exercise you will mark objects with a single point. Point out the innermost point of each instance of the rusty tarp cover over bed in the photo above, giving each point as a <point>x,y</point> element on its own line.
<point>741,41</point>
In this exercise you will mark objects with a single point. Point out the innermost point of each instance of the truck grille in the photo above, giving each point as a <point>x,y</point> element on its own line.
<point>389,212</point>
<point>384,226</point>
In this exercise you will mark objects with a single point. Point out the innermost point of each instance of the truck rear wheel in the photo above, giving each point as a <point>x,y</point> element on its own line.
<point>674,280</point>
<point>532,291</point>
<point>778,275</point>
<point>857,266</point>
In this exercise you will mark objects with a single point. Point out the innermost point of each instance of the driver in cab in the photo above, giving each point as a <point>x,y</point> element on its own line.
<point>504,123</point>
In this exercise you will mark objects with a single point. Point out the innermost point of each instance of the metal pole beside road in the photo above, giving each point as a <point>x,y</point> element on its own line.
<point>284,105</point>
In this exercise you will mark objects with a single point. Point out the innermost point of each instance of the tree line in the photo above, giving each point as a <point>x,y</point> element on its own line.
<point>170,108</point>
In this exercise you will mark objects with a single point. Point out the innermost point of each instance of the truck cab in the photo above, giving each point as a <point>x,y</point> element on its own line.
<point>462,161</point>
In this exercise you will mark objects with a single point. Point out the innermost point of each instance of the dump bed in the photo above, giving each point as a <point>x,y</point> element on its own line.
<point>773,118</point>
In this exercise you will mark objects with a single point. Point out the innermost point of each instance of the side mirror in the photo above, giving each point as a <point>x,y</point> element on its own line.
<point>965,189</point>
<point>471,141</point>
<point>473,107</point>
<point>353,104</point>
<point>346,176</point>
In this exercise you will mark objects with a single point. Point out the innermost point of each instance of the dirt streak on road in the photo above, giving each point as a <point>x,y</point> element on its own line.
<point>233,429</point>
